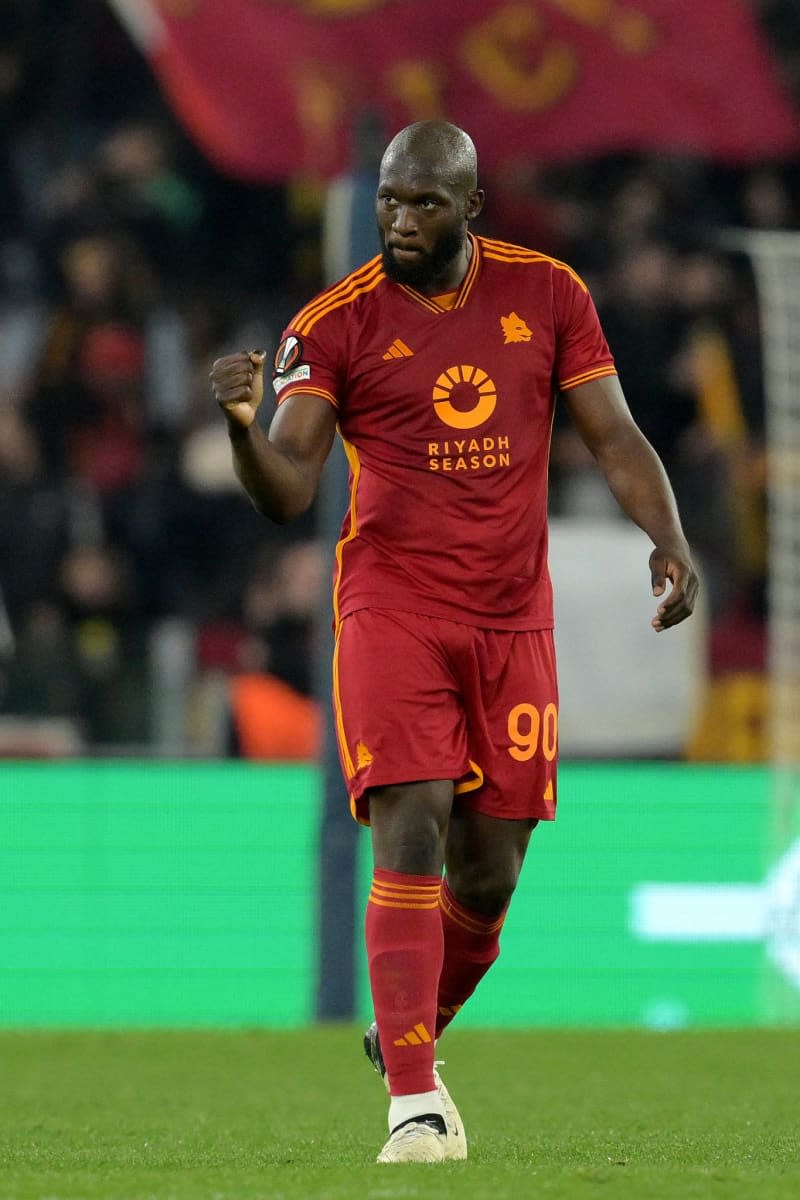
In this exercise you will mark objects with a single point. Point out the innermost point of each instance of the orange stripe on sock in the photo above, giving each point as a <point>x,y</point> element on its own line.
<point>396,894</point>
<point>400,903</point>
<point>398,883</point>
<point>466,920</point>
<point>405,893</point>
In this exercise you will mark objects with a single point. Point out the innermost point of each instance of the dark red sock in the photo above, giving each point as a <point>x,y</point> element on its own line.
<point>471,945</point>
<point>404,954</point>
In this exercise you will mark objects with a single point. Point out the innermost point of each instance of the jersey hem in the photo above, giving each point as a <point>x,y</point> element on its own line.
<point>522,624</point>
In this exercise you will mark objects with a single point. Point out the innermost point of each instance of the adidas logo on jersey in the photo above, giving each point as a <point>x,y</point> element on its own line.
<point>398,349</point>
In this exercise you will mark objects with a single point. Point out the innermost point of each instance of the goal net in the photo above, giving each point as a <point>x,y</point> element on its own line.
<point>775,260</point>
<point>776,264</point>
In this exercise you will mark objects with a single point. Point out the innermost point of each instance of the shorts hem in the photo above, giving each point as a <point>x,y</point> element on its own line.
<point>357,790</point>
<point>478,803</point>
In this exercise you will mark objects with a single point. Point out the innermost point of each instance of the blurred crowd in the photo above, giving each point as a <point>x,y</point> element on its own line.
<point>127,264</point>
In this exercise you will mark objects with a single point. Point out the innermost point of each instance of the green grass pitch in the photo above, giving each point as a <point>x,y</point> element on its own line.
<point>301,1114</point>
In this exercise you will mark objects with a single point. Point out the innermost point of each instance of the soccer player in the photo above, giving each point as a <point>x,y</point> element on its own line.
<point>440,361</point>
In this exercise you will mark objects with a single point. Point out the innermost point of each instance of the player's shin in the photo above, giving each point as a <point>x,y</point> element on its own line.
<point>404,942</point>
<point>471,945</point>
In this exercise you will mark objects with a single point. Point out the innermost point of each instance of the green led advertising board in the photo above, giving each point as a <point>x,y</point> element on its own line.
<point>160,895</point>
<point>177,895</point>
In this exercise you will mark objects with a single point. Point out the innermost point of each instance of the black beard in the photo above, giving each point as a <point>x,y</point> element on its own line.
<point>429,268</point>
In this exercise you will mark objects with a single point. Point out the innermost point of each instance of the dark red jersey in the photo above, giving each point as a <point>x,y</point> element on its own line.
<point>446,415</point>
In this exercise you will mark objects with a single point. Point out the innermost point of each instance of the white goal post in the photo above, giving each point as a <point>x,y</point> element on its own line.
<point>775,259</point>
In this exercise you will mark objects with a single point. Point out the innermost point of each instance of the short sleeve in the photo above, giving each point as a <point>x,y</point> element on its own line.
<point>307,364</point>
<point>582,352</point>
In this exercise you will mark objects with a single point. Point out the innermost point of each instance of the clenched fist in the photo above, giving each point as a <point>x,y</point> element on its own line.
<point>237,381</point>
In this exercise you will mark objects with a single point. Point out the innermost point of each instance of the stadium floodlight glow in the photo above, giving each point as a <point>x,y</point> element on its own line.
<point>703,912</point>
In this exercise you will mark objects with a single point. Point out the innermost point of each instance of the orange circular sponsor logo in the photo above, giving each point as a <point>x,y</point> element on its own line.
<point>484,393</point>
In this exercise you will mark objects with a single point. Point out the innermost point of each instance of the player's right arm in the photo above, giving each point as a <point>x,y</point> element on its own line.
<point>279,469</point>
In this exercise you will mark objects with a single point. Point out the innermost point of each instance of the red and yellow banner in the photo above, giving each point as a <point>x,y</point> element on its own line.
<point>272,87</point>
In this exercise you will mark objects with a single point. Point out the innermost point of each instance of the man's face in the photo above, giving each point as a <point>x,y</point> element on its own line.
<point>422,225</point>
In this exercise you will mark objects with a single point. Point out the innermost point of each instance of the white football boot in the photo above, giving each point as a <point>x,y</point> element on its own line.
<point>415,1142</point>
<point>456,1141</point>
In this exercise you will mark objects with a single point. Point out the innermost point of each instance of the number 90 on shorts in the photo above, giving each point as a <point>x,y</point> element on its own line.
<point>529,730</point>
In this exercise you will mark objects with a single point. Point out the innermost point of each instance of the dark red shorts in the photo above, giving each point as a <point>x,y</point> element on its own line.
<point>420,698</point>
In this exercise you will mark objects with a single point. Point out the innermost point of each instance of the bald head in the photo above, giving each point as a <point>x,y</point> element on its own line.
<point>427,195</point>
<point>435,149</point>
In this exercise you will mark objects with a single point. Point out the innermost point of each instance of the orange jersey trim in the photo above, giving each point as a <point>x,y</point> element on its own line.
<point>355,468</point>
<point>341,737</point>
<point>351,287</point>
<point>305,389</point>
<point>596,373</point>
<point>471,275</point>
<point>426,301</point>
<point>470,785</point>
<point>463,292</point>
<point>447,300</point>
<point>354,812</point>
<point>506,252</point>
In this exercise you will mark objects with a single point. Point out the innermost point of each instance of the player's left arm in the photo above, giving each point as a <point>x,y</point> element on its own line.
<point>639,483</point>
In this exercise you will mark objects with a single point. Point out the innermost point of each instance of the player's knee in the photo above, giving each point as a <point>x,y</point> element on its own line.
<point>413,851</point>
<point>485,892</point>
<point>408,828</point>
